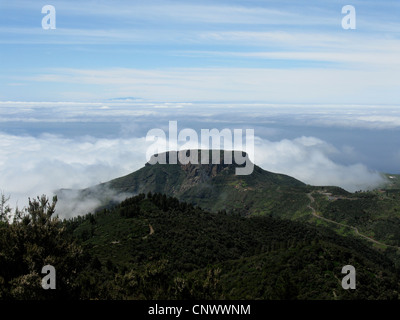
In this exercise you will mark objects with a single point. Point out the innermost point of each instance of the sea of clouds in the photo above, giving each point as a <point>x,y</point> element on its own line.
<point>35,163</point>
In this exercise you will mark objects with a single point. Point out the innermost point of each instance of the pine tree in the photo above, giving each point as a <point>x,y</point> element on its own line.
<point>34,240</point>
<point>5,209</point>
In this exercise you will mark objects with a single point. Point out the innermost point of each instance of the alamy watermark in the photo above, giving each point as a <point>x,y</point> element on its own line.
<point>49,281</point>
<point>188,152</point>
<point>349,281</point>
<point>349,20</point>
<point>49,20</point>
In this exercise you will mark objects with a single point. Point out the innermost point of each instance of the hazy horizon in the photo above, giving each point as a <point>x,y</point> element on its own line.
<point>48,146</point>
<point>77,101</point>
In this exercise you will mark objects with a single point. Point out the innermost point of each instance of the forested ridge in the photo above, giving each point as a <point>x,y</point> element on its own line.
<point>152,246</point>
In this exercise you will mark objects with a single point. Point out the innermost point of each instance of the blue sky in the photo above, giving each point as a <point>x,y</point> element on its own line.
<point>269,51</point>
<point>76,102</point>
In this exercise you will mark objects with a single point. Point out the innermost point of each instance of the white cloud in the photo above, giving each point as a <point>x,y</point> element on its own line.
<point>31,166</point>
<point>348,57</point>
<point>317,115</point>
<point>300,85</point>
<point>358,119</point>
<point>181,12</point>
<point>308,159</point>
<point>380,121</point>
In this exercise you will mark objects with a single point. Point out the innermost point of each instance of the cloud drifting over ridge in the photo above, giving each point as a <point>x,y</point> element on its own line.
<point>308,159</point>
<point>32,166</point>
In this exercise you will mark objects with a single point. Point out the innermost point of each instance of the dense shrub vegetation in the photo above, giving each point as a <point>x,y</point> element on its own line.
<point>155,247</point>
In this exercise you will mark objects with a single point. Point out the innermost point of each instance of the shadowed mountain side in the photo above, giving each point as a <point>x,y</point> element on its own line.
<point>215,187</point>
<point>212,186</point>
<point>156,247</point>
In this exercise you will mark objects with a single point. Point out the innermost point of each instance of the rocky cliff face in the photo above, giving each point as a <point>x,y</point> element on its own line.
<point>210,185</point>
<point>197,172</point>
<point>200,173</point>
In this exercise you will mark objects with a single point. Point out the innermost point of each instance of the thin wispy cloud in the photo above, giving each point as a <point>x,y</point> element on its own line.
<point>76,102</point>
<point>300,85</point>
<point>129,109</point>
<point>188,12</point>
<point>48,163</point>
<point>157,44</point>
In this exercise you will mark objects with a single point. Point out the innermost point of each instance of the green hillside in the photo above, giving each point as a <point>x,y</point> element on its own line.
<point>216,187</point>
<point>158,247</point>
<point>393,181</point>
<point>375,214</point>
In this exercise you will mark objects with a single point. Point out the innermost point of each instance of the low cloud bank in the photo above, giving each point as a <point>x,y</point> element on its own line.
<point>31,166</point>
<point>74,202</point>
<point>308,159</point>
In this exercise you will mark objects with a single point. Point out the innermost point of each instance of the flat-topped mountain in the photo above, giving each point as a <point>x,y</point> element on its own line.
<point>213,186</point>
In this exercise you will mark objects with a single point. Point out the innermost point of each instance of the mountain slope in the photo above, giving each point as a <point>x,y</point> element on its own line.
<point>160,248</point>
<point>214,187</point>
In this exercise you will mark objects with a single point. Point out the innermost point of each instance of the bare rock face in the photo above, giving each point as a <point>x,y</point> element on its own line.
<point>197,172</point>
<point>200,173</point>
